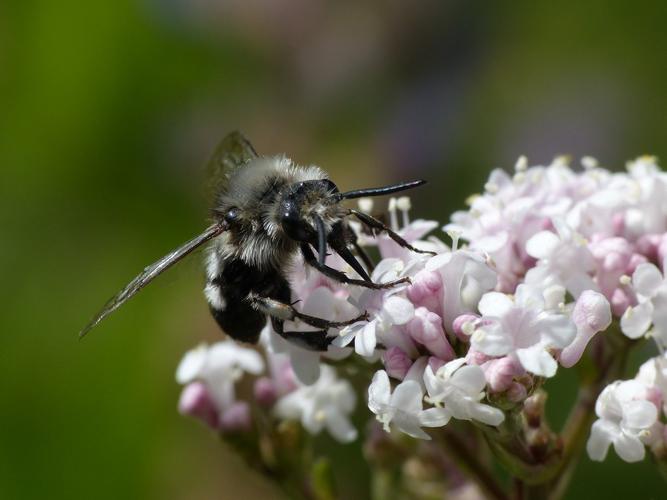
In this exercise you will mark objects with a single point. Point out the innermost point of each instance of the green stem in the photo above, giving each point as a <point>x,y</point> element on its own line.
<point>470,465</point>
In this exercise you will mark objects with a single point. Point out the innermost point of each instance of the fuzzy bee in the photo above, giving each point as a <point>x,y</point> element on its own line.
<point>266,211</point>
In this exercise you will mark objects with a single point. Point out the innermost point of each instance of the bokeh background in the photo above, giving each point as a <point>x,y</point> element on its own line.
<point>108,111</point>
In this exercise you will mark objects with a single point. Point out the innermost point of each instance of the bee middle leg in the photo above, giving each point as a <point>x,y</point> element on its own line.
<point>317,340</point>
<point>286,312</point>
<point>341,277</point>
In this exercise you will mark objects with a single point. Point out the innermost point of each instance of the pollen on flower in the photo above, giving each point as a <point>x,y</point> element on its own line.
<point>468,328</point>
<point>625,280</point>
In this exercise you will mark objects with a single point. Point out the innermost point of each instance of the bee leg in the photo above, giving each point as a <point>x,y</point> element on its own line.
<point>373,223</point>
<point>341,277</point>
<point>354,245</point>
<point>312,341</point>
<point>364,256</point>
<point>285,312</point>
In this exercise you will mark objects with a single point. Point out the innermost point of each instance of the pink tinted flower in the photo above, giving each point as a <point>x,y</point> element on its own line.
<point>396,362</point>
<point>523,327</point>
<point>426,328</point>
<point>625,420</point>
<point>237,418</point>
<point>195,401</point>
<point>466,276</point>
<point>265,392</point>
<point>500,373</point>
<point>426,290</point>
<point>464,326</point>
<point>614,258</point>
<point>591,314</point>
<point>517,392</point>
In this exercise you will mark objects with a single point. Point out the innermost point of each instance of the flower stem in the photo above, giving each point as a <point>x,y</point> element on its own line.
<point>470,464</point>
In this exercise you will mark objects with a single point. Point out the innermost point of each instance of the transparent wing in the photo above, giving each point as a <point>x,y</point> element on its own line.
<point>150,273</point>
<point>232,152</point>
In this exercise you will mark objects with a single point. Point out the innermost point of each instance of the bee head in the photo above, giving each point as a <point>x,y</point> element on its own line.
<point>303,207</point>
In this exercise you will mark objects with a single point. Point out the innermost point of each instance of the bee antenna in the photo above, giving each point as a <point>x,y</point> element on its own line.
<point>379,191</point>
<point>321,239</point>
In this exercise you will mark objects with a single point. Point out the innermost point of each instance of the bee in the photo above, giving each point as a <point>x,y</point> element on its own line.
<point>266,211</point>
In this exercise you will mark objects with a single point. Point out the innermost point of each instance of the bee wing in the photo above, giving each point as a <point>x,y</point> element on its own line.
<point>150,273</point>
<point>232,152</point>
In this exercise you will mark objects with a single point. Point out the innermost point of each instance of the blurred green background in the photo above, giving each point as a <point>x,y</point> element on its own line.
<point>109,109</point>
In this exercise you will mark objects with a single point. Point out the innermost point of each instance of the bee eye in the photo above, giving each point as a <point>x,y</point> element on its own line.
<point>232,215</point>
<point>294,226</point>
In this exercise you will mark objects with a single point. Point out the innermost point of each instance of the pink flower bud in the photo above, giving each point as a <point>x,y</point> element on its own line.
<point>647,245</point>
<point>196,401</point>
<point>435,363</point>
<point>618,223</point>
<point>620,301</point>
<point>635,260</point>
<point>475,357</point>
<point>463,325</point>
<point>265,391</point>
<point>500,373</point>
<point>592,313</point>
<point>396,362</point>
<point>426,290</point>
<point>237,418</point>
<point>662,250</point>
<point>426,328</point>
<point>654,395</point>
<point>516,392</point>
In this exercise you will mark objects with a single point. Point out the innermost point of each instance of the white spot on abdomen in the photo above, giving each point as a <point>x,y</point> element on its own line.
<point>214,297</point>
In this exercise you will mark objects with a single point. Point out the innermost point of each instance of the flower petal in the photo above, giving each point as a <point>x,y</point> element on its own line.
<point>647,279</point>
<point>637,320</point>
<point>538,361</point>
<point>379,392</point>
<point>559,330</point>
<point>470,379</point>
<point>639,414</point>
<point>366,340</point>
<point>494,304</point>
<point>340,427</point>
<point>407,397</point>
<point>487,414</point>
<point>602,435</point>
<point>629,448</point>
<point>542,244</point>
<point>434,417</point>
<point>191,365</point>
<point>399,310</point>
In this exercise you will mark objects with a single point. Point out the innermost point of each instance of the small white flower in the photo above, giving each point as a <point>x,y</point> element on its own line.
<point>524,328</point>
<point>466,276</point>
<point>460,389</point>
<point>651,288</point>
<point>563,259</point>
<point>219,366</point>
<point>624,419</point>
<point>386,308</point>
<point>327,404</point>
<point>404,407</point>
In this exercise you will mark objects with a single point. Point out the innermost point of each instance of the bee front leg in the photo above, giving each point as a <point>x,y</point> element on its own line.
<point>341,277</point>
<point>286,312</point>
<point>373,223</point>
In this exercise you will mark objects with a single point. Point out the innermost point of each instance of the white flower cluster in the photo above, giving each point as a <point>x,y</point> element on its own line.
<point>629,414</point>
<point>553,255</point>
